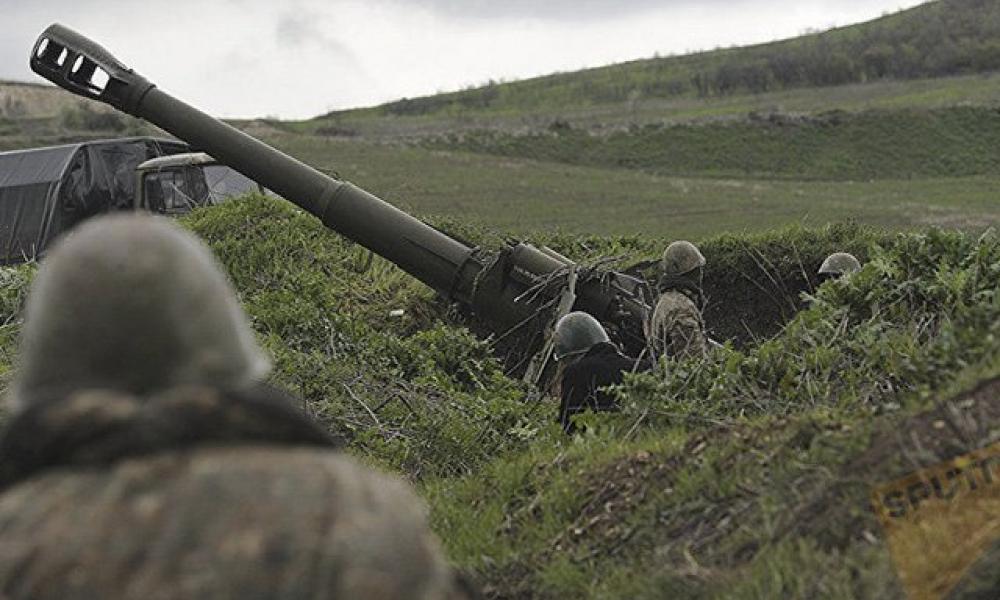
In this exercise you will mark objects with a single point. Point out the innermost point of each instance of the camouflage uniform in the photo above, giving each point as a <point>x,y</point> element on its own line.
<point>677,328</point>
<point>197,493</point>
<point>208,485</point>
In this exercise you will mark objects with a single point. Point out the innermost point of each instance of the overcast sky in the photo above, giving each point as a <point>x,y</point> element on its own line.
<point>301,58</point>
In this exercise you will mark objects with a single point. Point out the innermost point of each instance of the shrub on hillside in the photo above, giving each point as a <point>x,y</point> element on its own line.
<point>80,116</point>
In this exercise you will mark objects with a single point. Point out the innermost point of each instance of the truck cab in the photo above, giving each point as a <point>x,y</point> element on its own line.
<point>177,184</point>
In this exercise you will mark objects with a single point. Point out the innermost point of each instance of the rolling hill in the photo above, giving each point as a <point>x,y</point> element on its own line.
<point>943,38</point>
<point>912,95</point>
<point>34,114</point>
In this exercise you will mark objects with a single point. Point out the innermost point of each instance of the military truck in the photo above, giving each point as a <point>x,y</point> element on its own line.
<point>176,184</point>
<point>45,192</point>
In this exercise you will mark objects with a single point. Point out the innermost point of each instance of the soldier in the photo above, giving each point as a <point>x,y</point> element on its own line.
<point>146,460</point>
<point>677,328</point>
<point>837,265</point>
<point>591,362</point>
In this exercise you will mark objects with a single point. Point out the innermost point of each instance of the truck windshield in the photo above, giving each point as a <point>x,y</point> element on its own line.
<point>167,191</point>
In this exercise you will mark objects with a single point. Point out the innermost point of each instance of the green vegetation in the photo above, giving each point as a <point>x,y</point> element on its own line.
<point>409,392</point>
<point>522,197</point>
<point>746,475</point>
<point>967,90</point>
<point>937,39</point>
<point>733,477</point>
<point>33,115</point>
<point>911,95</point>
<point>743,476</point>
<point>83,117</point>
<point>897,144</point>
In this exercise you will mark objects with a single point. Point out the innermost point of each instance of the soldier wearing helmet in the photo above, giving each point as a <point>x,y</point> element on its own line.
<point>676,328</point>
<point>589,362</point>
<point>837,265</point>
<point>146,458</point>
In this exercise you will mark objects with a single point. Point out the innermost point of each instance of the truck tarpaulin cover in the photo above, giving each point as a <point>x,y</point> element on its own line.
<point>45,191</point>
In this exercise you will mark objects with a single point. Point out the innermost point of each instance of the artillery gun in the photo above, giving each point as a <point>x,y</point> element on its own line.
<point>518,292</point>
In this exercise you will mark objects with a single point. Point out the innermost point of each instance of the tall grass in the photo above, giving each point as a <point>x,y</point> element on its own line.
<point>743,475</point>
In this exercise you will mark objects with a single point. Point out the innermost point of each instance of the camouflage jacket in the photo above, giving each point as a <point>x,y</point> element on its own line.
<point>196,493</point>
<point>676,328</point>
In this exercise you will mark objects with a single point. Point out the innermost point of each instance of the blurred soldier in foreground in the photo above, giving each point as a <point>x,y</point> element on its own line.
<point>676,328</point>
<point>837,265</point>
<point>591,363</point>
<point>147,460</point>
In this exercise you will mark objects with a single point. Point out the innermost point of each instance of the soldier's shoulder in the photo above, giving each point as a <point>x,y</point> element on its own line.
<point>673,301</point>
<point>94,429</point>
<point>260,479</point>
<point>372,526</point>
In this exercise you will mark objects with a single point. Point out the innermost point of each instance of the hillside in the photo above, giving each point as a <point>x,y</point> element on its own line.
<point>912,95</point>
<point>937,39</point>
<point>746,476</point>
<point>691,488</point>
<point>519,196</point>
<point>833,145</point>
<point>42,115</point>
<point>943,92</point>
<point>20,100</point>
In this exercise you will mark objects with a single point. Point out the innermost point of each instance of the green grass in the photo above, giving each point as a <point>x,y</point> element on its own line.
<point>737,477</point>
<point>937,39</point>
<point>749,475</point>
<point>943,92</point>
<point>518,196</point>
<point>890,144</point>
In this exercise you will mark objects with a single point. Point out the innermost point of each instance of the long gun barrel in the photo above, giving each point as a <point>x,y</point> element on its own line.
<point>494,288</point>
<point>85,68</point>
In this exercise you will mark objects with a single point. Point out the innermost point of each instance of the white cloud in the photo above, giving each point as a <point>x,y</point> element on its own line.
<point>302,58</point>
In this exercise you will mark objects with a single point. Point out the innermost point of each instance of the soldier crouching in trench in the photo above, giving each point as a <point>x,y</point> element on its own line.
<point>838,264</point>
<point>146,459</point>
<point>590,362</point>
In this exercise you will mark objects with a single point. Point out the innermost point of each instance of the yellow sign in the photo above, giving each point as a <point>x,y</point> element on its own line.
<point>940,520</point>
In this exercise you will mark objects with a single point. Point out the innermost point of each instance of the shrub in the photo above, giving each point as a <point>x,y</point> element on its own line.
<point>82,116</point>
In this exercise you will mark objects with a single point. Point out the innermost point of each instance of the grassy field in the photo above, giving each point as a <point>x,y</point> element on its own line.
<point>934,40</point>
<point>744,476</point>
<point>521,196</point>
<point>965,90</point>
<point>905,143</point>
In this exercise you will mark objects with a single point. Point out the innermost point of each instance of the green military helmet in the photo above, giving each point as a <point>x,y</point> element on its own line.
<point>576,333</point>
<point>136,304</point>
<point>839,263</point>
<point>681,257</point>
